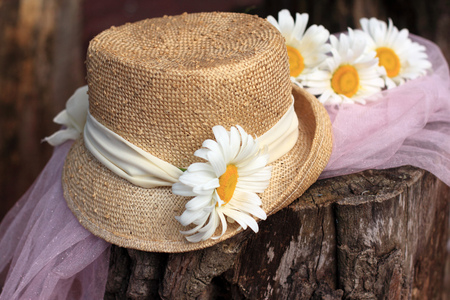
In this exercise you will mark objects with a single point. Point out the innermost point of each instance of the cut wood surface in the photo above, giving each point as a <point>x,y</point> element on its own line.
<point>372,235</point>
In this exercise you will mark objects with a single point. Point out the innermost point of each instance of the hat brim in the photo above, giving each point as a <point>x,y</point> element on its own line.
<point>133,217</point>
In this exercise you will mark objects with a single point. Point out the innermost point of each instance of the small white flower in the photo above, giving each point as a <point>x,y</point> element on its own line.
<point>225,186</point>
<point>306,50</point>
<point>350,75</point>
<point>402,58</point>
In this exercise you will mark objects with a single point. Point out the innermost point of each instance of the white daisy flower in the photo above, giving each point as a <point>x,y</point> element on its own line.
<point>224,186</point>
<point>306,50</point>
<point>350,75</point>
<point>402,58</point>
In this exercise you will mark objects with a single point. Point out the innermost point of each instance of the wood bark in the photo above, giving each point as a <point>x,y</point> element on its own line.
<point>371,235</point>
<point>40,66</point>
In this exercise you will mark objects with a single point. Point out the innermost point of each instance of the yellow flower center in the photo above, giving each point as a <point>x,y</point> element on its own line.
<point>389,60</point>
<point>345,81</point>
<point>228,182</point>
<point>296,64</point>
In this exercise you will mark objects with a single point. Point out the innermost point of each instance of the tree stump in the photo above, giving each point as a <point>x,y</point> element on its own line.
<point>372,235</point>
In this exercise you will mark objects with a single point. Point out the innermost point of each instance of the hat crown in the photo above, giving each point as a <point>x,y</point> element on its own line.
<point>163,83</point>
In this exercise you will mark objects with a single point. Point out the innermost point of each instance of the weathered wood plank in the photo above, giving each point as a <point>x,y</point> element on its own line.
<point>40,67</point>
<point>372,235</point>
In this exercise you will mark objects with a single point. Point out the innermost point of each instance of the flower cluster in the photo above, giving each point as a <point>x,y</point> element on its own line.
<point>353,67</point>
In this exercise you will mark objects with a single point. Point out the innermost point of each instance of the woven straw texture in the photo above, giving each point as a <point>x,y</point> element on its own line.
<point>163,84</point>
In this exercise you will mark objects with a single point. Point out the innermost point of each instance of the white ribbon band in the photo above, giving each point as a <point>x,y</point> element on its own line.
<point>72,118</point>
<point>133,163</point>
<point>282,136</point>
<point>126,159</point>
<point>145,170</point>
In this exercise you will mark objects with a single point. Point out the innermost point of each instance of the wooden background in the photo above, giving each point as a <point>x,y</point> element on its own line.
<point>43,42</point>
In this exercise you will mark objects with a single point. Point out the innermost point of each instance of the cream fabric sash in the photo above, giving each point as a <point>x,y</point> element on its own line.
<point>72,118</point>
<point>133,163</point>
<point>145,170</point>
<point>126,159</point>
<point>282,136</point>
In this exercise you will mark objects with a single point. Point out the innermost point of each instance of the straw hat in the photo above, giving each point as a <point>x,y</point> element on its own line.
<point>162,84</point>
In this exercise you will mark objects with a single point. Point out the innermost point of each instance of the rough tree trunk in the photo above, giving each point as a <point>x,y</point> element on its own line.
<point>40,66</point>
<point>372,235</point>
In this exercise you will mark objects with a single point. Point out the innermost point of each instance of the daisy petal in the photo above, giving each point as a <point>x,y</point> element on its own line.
<point>223,139</point>
<point>286,22</point>
<point>223,222</point>
<point>217,162</point>
<point>182,190</point>
<point>243,219</point>
<point>199,202</point>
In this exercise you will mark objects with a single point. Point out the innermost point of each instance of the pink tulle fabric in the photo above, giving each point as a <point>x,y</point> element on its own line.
<point>408,125</point>
<point>47,254</point>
